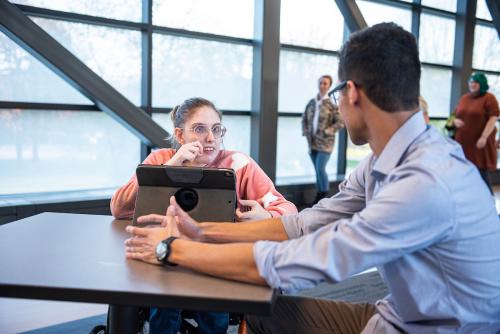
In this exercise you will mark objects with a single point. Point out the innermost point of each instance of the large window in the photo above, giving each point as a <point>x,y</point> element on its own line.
<point>221,17</point>
<point>114,9</point>
<point>299,74</point>
<point>119,62</point>
<point>198,48</point>
<point>376,13</point>
<point>437,35</point>
<point>449,5</point>
<point>187,67</point>
<point>293,162</point>
<point>435,87</point>
<point>315,23</point>
<point>48,151</point>
<point>482,10</point>
<point>23,78</point>
<point>309,32</point>
<point>486,54</point>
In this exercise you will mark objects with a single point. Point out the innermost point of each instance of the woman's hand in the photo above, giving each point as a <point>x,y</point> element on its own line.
<point>186,153</point>
<point>481,143</point>
<point>458,122</point>
<point>256,211</point>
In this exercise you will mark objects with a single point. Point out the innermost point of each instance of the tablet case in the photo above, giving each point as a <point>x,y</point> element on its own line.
<point>207,194</point>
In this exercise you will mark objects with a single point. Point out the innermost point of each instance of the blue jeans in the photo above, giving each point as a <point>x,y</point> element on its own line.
<point>168,321</point>
<point>319,160</point>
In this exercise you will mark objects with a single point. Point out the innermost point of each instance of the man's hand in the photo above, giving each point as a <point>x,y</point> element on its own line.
<point>142,246</point>
<point>186,226</point>
<point>256,211</point>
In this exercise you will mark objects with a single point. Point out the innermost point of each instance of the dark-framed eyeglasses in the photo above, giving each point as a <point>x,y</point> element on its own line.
<point>201,130</point>
<point>334,94</point>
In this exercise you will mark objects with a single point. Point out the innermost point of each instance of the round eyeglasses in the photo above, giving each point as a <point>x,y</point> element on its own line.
<point>201,130</point>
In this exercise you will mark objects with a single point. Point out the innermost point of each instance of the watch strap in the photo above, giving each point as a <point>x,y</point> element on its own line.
<point>167,243</point>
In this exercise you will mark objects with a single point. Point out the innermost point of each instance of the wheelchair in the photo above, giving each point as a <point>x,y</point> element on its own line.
<point>188,325</point>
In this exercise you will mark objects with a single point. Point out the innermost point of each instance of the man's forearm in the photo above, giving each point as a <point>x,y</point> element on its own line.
<point>232,261</point>
<point>267,229</point>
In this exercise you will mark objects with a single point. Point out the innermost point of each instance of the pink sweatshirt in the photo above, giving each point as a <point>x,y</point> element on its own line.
<point>251,184</point>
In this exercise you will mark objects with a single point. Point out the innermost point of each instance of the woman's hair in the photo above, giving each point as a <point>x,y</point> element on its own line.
<point>182,112</point>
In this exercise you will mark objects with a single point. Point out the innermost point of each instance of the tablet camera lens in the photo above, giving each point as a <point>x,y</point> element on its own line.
<point>186,198</point>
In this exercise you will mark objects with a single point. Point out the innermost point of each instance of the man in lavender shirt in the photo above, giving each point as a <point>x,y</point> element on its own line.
<point>415,208</point>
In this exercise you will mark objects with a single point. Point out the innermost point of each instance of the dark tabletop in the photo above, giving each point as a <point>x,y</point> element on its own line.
<point>73,257</point>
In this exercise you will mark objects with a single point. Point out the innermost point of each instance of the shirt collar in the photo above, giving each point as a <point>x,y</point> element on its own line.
<point>399,143</point>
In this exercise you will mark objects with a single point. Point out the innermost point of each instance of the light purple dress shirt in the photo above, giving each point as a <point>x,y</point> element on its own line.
<point>423,216</point>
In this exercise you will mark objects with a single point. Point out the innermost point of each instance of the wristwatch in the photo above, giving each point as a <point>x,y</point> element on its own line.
<point>163,251</point>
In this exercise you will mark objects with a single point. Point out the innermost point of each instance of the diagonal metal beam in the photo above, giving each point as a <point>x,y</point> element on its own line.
<point>352,15</point>
<point>494,7</point>
<point>16,25</point>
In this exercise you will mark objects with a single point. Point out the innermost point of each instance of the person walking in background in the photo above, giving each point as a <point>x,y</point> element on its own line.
<point>475,117</point>
<point>320,121</point>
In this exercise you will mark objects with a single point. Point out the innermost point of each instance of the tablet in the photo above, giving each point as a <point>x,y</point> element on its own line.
<point>207,194</point>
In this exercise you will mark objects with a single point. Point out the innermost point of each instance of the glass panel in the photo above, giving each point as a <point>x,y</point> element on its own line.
<point>314,23</point>
<point>482,10</point>
<point>437,36</point>
<point>293,164</point>
<point>298,79</point>
<point>355,154</point>
<point>449,5</point>
<point>113,54</point>
<point>47,151</point>
<point>494,83</point>
<point>222,17</point>
<point>114,9</point>
<point>186,67</point>
<point>376,13</point>
<point>25,79</point>
<point>435,88</point>
<point>237,137</point>
<point>486,54</point>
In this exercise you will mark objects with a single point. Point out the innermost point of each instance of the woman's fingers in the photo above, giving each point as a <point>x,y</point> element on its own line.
<point>249,202</point>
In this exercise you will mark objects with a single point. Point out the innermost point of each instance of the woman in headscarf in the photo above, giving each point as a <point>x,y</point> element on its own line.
<point>476,116</point>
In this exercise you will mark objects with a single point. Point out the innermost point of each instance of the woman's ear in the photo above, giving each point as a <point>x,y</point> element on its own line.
<point>179,135</point>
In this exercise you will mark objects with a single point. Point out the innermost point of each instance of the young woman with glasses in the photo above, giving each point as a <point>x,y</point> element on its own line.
<point>198,141</point>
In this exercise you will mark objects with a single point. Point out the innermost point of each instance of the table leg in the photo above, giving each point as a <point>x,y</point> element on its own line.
<point>123,319</point>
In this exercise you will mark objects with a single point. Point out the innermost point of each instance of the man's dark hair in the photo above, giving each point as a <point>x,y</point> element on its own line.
<point>383,61</point>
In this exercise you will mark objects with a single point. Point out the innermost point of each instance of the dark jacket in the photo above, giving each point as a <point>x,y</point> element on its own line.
<point>328,123</point>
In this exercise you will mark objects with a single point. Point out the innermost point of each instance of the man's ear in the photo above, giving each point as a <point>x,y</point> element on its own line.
<point>179,135</point>
<point>352,93</point>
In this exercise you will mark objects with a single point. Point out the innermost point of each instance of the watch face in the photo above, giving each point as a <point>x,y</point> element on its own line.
<point>161,251</point>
